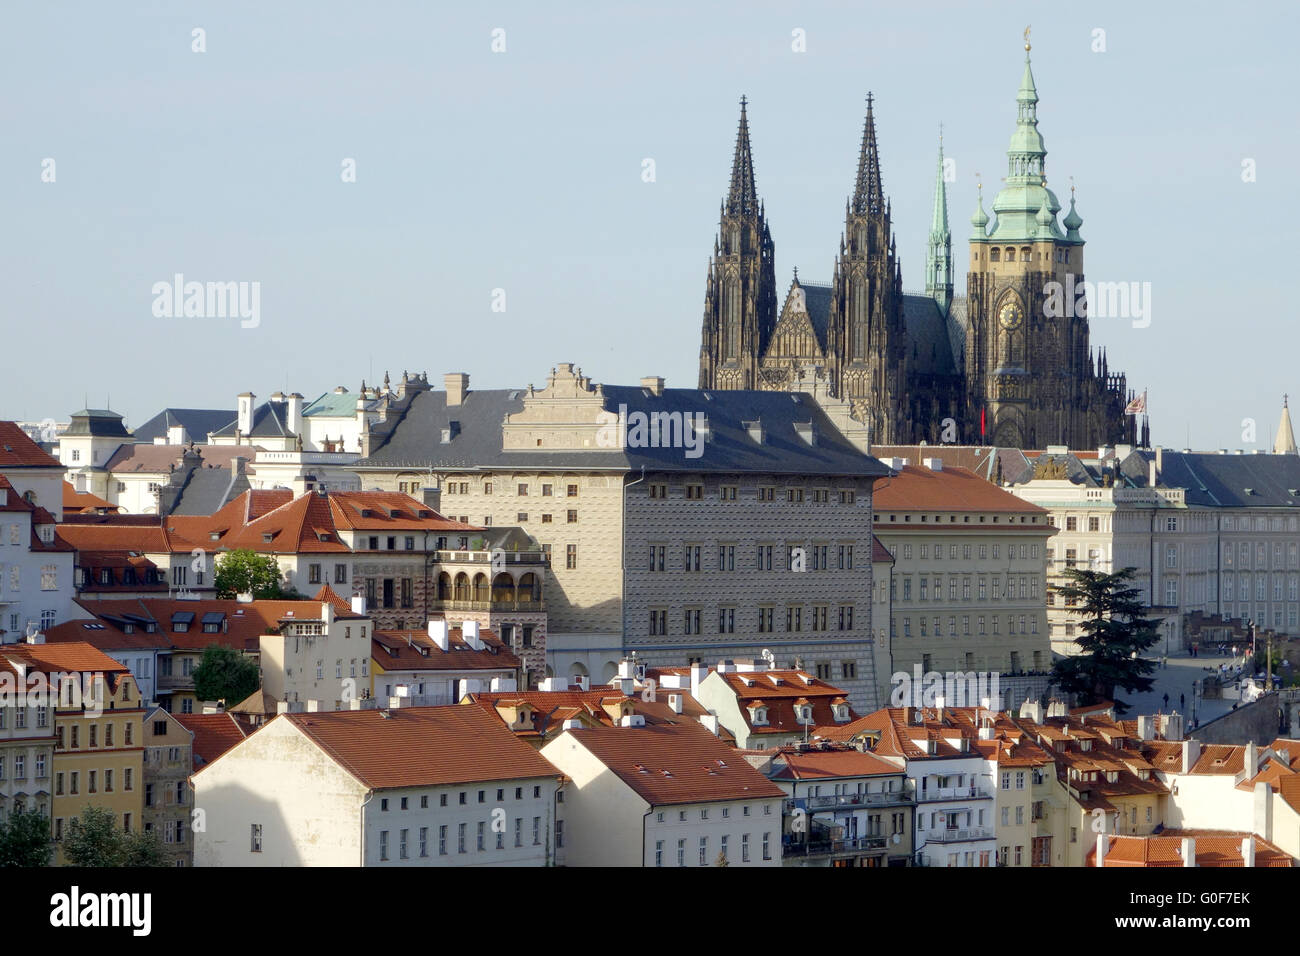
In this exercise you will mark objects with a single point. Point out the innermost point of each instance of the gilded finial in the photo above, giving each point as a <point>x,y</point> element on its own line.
<point>1026,39</point>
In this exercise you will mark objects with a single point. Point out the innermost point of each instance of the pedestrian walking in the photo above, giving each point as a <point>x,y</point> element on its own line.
<point>1166,701</point>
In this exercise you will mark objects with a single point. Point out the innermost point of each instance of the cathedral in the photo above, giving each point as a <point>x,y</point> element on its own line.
<point>996,366</point>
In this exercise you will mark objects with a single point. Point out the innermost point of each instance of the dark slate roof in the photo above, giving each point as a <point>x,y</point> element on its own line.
<point>930,342</point>
<point>197,422</point>
<point>1220,481</point>
<point>268,422</point>
<point>817,298</point>
<point>99,422</point>
<point>208,490</point>
<point>412,437</point>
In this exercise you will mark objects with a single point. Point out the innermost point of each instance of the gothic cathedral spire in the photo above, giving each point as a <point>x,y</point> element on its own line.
<point>740,298</point>
<point>938,257</point>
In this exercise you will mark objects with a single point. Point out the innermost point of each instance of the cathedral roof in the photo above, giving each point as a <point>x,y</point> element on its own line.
<point>929,342</point>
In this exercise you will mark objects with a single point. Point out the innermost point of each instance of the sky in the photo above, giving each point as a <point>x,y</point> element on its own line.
<point>516,177</point>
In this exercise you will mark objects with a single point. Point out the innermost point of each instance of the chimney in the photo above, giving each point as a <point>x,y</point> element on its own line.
<point>244,415</point>
<point>1191,753</point>
<point>438,632</point>
<point>1263,810</point>
<point>457,384</point>
<point>313,706</point>
<point>675,702</point>
<point>710,722</point>
<point>327,613</point>
<point>1144,727</point>
<point>1248,851</point>
<point>1189,851</point>
<point>358,604</point>
<point>176,435</point>
<point>699,671</point>
<point>934,464</point>
<point>582,681</point>
<point>469,631</point>
<point>238,466</point>
<point>626,686</point>
<point>293,418</point>
<point>1252,759</point>
<point>1103,842</point>
<point>654,383</point>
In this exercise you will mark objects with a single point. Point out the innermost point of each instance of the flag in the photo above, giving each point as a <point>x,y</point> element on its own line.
<point>981,423</point>
<point>1138,405</point>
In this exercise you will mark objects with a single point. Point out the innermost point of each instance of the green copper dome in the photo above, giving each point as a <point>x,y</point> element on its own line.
<point>1072,222</point>
<point>1025,192</point>
<point>980,220</point>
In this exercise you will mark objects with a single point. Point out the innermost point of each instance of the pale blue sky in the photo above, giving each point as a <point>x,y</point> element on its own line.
<point>522,171</point>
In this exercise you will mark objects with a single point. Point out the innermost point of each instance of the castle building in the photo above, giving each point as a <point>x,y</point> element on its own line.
<point>1008,363</point>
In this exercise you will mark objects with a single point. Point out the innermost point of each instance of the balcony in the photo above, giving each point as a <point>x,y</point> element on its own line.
<point>851,800</point>
<point>174,682</point>
<point>446,605</point>
<point>821,847</point>
<point>955,836</point>
<point>485,557</point>
<point>935,794</point>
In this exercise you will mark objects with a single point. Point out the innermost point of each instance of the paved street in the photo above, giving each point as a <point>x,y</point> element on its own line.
<point>1176,679</point>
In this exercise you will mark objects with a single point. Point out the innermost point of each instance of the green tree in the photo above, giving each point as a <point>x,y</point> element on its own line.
<point>25,839</point>
<point>1114,635</point>
<point>243,572</point>
<point>142,849</point>
<point>225,674</point>
<point>94,839</point>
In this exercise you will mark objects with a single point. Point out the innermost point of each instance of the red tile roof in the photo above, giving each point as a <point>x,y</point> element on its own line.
<point>79,501</point>
<point>421,746</point>
<point>17,450</point>
<point>952,489</point>
<point>667,764</point>
<point>69,656</point>
<point>158,459</point>
<point>1214,848</point>
<point>416,650</point>
<point>214,734</point>
<point>839,762</point>
<point>781,691</point>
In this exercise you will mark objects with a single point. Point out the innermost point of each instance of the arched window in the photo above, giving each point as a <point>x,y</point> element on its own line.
<point>480,587</point>
<point>995,255</point>
<point>462,587</point>
<point>529,589</point>
<point>444,586</point>
<point>1011,254</point>
<point>1024,254</point>
<point>503,588</point>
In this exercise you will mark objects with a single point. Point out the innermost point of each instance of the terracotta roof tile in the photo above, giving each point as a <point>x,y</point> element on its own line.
<point>421,746</point>
<point>214,734</point>
<point>17,450</point>
<point>951,489</point>
<point>667,764</point>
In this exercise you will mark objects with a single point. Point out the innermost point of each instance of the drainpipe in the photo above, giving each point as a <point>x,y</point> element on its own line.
<point>370,796</point>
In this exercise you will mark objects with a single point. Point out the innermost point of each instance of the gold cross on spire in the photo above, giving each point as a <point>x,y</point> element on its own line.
<point>1026,39</point>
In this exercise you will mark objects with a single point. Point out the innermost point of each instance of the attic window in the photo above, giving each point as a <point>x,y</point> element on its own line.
<point>394,513</point>
<point>366,513</point>
<point>267,537</point>
<point>425,513</point>
<point>666,773</point>
<point>214,536</point>
<point>323,535</point>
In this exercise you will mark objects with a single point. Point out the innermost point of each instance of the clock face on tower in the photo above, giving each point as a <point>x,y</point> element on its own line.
<point>1011,315</point>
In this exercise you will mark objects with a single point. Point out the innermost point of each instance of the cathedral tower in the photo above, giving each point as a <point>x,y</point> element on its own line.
<point>866,339</point>
<point>938,252</point>
<point>740,297</point>
<point>1031,380</point>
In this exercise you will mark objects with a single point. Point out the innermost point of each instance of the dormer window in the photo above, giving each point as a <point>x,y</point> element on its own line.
<point>841,712</point>
<point>268,537</point>
<point>758,714</point>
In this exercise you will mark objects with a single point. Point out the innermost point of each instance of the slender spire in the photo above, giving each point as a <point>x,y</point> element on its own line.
<point>938,256</point>
<point>1284,443</point>
<point>742,197</point>
<point>868,194</point>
